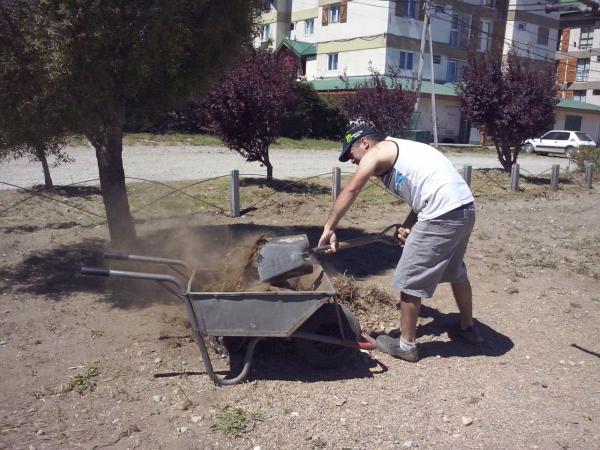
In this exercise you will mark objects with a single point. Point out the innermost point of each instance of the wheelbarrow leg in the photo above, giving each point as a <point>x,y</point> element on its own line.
<point>220,381</point>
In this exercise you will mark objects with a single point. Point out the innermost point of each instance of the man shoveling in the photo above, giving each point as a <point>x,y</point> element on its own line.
<point>436,233</point>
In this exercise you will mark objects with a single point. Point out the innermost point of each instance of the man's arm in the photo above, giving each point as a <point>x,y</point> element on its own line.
<point>365,170</point>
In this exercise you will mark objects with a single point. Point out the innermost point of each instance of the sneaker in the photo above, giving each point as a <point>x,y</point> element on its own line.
<point>470,334</point>
<point>391,346</point>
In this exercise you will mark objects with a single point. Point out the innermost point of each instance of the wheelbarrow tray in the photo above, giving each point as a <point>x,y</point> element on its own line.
<point>267,314</point>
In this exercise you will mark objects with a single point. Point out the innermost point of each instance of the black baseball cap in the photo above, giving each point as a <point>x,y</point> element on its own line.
<point>353,135</point>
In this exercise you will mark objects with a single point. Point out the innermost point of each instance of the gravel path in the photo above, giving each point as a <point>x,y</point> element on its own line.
<point>171,163</point>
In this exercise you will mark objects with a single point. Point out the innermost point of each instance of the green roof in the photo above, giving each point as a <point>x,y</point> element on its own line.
<point>335,84</point>
<point>572,104</point>
<point>448,89</point>
<point>299,47</point>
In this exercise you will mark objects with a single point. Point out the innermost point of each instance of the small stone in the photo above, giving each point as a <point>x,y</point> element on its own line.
<point>257,447</point>
<point>527,357</point>
<point>157,398</point>
<point>562,361</point>
<point>157,360</point>
<point>183,405</point>
<point>571,363</point>
<point>182,429</point>
<point>2,342</point>
<point>40,432</point>
<point>295,414</point>
<point>196,419</point>
<point>364,403</point>
<point>456,435</point>
<point>140,353</point>
<point>445,419</point>
<point>410,444</point>
<point>340,402</point>
<point>466,421</point>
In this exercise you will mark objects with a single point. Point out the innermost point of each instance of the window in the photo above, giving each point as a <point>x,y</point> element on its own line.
<point>586,37</point>
<point>309,27</point>
<point>579,96</point>
<point>437,59</point>
<point>406,60</point>
<point>459,31</point>
<point>411,9</point>
<point>522,26</point>
<point>583,69</point>
<point>332,61</point>
<point>572,122</point>
<point>485,35</point>
<point>264,33</point>
<point>334,13</point>
<point>488,3</point>
<point>542,37</point>
<point>452,71</point>
<point>596,92</point>
<point>583,136</point>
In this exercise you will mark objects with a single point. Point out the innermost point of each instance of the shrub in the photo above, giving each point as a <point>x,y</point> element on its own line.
<point>586,154</point>
<point>312,116</point>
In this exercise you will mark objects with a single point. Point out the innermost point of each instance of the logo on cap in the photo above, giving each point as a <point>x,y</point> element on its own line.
<point>350,137</point>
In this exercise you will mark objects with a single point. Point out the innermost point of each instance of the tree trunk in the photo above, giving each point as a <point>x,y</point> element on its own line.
<point>41,156</point>
<point>268,165</point>
<point>504,159</point>
<point>109,150</point>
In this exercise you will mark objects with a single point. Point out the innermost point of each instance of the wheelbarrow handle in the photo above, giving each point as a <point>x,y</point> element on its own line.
<point>147,259</point>
<point>97,271</point>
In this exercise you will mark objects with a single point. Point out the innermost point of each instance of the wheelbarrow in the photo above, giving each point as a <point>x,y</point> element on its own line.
<point>324,332</point>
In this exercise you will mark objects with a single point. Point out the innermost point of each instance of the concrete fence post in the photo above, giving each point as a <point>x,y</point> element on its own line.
<point>554,177</point>
<point>514,178</point>
<point>336,182</point>
<point>467,172</point>
<point>589,175</point>
<point>235,193</point>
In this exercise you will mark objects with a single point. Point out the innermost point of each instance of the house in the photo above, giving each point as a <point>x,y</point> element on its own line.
<point>330,38</point>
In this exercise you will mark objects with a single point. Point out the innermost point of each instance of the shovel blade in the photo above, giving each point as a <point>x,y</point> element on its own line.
<point>284,257</point>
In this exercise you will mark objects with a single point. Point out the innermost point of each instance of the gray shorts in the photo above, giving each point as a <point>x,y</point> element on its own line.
<point>434,253</point>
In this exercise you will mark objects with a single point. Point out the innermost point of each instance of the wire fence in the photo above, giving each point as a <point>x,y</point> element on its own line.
<point>316,188</point>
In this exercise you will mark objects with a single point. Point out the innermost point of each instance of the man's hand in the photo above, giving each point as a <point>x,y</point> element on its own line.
<point>402,235</point>
<point>329,237</point>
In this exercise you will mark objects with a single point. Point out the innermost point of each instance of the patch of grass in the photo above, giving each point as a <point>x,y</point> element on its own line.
<point>235,422</point>
<point>84,381</point>
<point>178,139</point>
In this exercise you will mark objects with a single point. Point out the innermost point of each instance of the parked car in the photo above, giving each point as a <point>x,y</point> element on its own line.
<point>558,141</point>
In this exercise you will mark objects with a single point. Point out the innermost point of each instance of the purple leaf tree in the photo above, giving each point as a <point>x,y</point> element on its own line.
<point>381,101</point>
<point>513,100</point>
<point>246,108</point>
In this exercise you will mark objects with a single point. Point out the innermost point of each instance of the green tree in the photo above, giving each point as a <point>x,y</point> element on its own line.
<point>113,58</point>
<point>30,124</point>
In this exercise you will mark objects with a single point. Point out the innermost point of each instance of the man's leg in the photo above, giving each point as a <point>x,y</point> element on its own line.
<point>464,300</point>
<point>409,310</point>
<point>405,347</point>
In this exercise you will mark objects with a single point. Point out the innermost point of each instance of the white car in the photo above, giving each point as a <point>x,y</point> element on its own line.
<point>558,141</point>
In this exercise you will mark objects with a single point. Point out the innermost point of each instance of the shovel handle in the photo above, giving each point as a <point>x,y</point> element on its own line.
<point>343,245</point>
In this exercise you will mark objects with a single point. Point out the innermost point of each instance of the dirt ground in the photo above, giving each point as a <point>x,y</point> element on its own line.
<point>535,383</point>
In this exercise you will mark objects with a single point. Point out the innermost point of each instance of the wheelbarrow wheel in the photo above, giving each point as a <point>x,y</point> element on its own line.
<point>325,322</point>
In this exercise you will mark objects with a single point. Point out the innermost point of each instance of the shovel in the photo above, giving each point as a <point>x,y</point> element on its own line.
<point>289,256</point>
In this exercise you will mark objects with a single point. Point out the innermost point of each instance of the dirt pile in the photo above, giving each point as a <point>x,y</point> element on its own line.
<point>375,308</point>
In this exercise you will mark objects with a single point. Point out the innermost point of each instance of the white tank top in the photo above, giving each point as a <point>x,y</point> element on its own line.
<point>426,179</point>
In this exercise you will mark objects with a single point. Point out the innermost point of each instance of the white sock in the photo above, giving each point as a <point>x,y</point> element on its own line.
<point>405,346</point>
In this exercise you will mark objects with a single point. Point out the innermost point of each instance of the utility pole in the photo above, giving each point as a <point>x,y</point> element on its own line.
<point>427,31</point>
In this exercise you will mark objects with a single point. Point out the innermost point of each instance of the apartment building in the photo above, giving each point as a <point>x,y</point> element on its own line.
<point>353,37</point>
<point>578,53</point>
